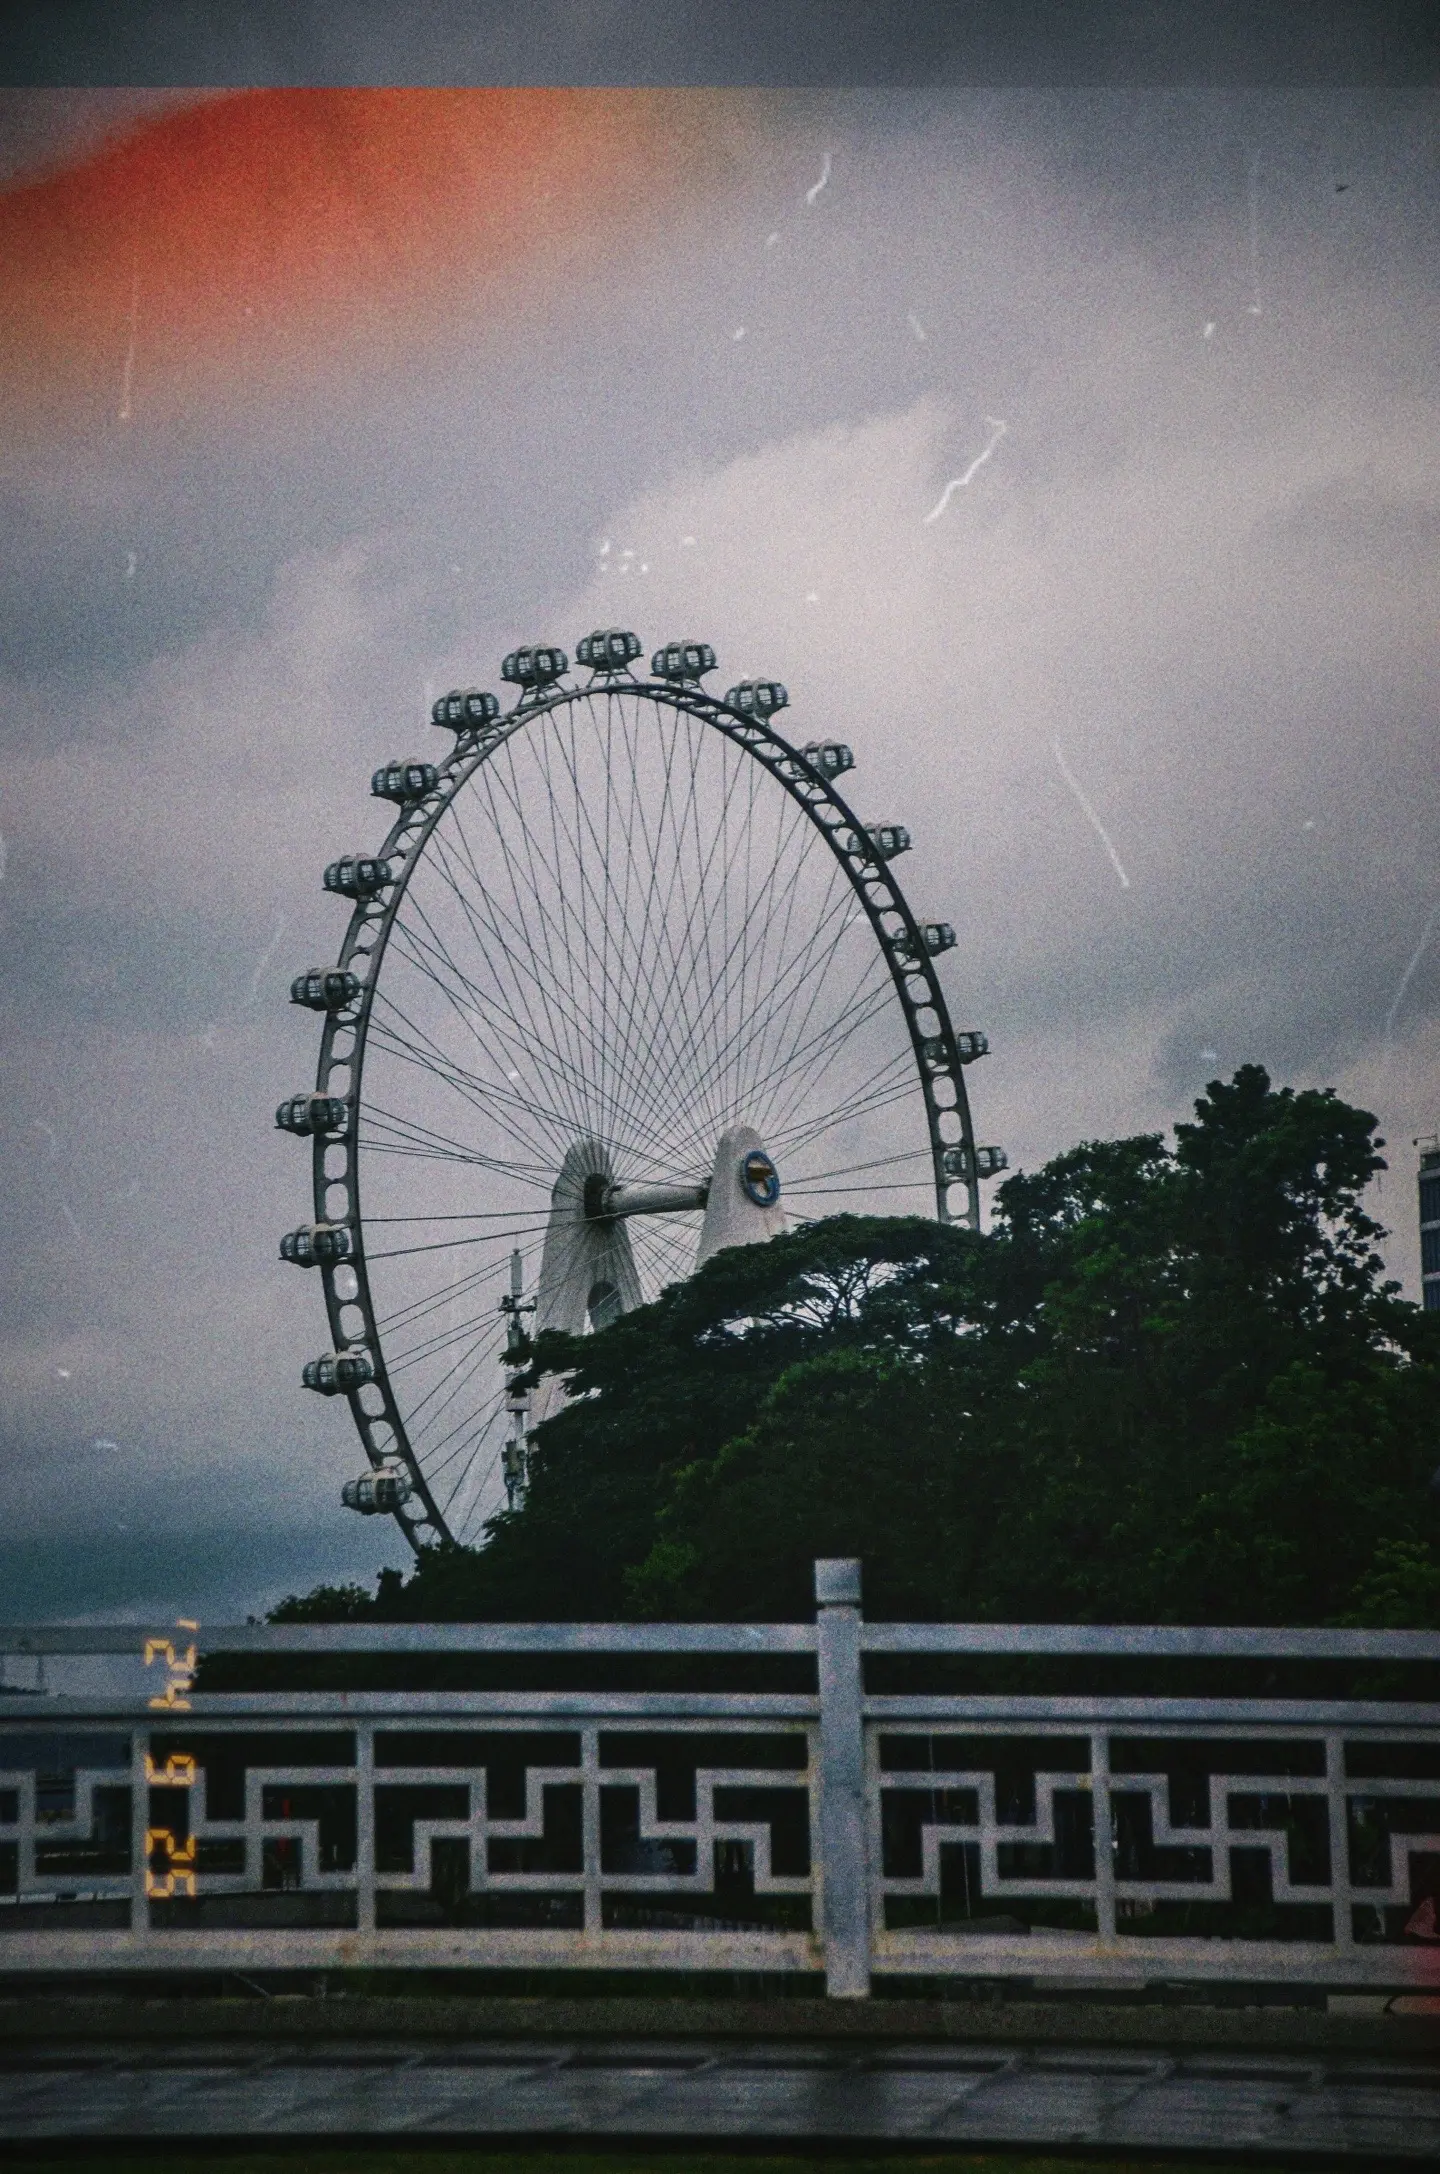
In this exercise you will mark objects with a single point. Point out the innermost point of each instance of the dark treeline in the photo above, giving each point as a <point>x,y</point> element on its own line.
<point>1171,1385</point>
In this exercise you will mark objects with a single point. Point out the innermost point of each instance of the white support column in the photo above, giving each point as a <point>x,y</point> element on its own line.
<point>1103,1830</point>
<point>590,1832</point>
<point>844,1857</point>
<point>737,1210</point>
<point>365,1826</point>
<point>1342,1894</point>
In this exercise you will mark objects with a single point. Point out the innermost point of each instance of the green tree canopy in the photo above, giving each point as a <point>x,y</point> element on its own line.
<point>1171,1385</point>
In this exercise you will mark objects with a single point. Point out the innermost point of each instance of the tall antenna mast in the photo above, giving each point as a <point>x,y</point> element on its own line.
<point>516,1456</point>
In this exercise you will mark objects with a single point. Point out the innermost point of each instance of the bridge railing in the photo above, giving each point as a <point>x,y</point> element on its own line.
<point>836,1826</point>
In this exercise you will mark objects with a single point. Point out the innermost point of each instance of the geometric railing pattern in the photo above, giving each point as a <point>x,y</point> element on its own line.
<point>834,1829</point>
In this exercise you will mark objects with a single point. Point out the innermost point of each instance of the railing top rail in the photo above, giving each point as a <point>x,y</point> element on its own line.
<point>469,1709</point>
<point>1153,1641</point>
<point>1146,1641</point>
<point>420,1638</point>
<point>680,1709</point>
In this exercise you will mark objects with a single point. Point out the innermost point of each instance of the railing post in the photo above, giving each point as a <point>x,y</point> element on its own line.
<point>844,1867</point>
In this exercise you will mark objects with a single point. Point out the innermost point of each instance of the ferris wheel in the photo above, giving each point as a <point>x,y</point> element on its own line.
<point>628,982</point>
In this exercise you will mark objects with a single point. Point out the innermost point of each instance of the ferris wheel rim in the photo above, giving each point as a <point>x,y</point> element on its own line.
<point>937,1063</point>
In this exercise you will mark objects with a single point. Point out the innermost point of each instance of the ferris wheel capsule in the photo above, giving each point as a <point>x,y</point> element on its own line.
<point>464,709</point>
<point>537,665</point>
<point>758,697</point>
<point>358,875</point>
<point>316,1243</point>
<point>969,1045</point>
<point>309,1114</point>
<point>325,989</point>
<point>608,649</point>
<point>335,1373</point>
<point>935,937</point>
<point>377,1493</point>
<point>404,781</point>
<point>888,839</point>
<point>830,757</point>
<point>683,662</point>
<point>989,1162</point>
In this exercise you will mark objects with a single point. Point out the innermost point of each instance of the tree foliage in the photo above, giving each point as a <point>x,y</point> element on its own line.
<point>1171,1385</point>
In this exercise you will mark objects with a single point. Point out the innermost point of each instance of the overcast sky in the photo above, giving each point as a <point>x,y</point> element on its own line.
<point>311,405</point>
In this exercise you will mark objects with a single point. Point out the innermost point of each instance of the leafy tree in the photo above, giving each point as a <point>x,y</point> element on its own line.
<point>1172,1384</point>
<point>666,1387</point>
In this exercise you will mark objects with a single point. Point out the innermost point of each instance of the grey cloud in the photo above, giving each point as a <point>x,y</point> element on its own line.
<point>1204,566</point>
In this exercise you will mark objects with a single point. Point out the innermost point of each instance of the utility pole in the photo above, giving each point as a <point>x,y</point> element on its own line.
<point>517,1396</point>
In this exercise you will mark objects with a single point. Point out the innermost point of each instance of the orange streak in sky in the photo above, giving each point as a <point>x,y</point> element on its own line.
<point>270,239</point>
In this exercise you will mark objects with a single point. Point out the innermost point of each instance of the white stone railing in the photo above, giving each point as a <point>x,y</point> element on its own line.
<point>838,1829</point>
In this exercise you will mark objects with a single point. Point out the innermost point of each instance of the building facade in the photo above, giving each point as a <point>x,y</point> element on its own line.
<point>1430,1225</point>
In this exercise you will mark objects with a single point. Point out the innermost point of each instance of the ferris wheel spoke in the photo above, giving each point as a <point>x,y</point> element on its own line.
<point>753,1053</point>
<point>392,1125</point>
<point>656,984</point>
<point>728,984</point>
<point>808,1127</point>
<point>599,906</point>
<point>531,1044</point>
<point>501,1105</point>
<point>637,1079</point>
<point>711,1072</point>
<point>870,974</point>
<point>384,1133</point>
<point>422,1422</point>
<point>449,1245</point>
<point>580,946</point>
<point>825,1050</point>
<point>848,1112</point>
<point>431,1216</point>
<point>703,1024</point>
<point>481,1444</point>
<point>546,976</point>
<point>671,1259</point>
<point>447,1294</point>
<point>710,1030</point>
<point>578,1024</point>
<point>635,974</point>
<point>507,1113</point>
<point>809,969</point>
<point>612,1081</point>
<point>471,1446</point>
<point>477,1447</point>
<point>655,1135</point>
<point>432,1346</point>
<point>829,1192</point>
<point>781,982</point>
<point>764,970</point>
<point>486,1095</point>
<point>878,1162</point>
<point>560,1063</point>
<point>869,997</point>
<point>894,1070</point>
<point>467,1524</point>
<point>750,1031</point>
<point>557,1054</point>
<point>452,1384</point>
<point>746,969</point>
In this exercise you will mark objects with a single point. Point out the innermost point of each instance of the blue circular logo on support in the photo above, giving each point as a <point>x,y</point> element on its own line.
<point>760,1178</point>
